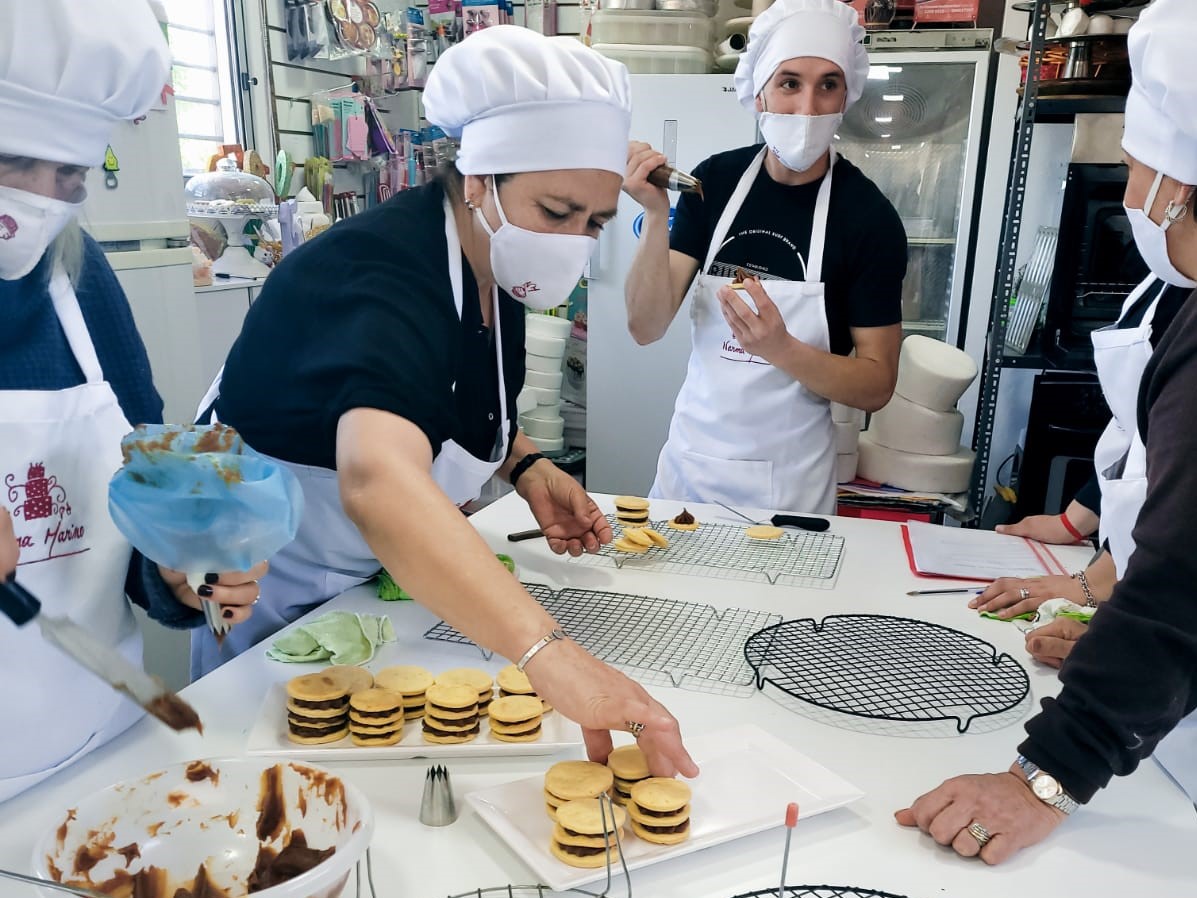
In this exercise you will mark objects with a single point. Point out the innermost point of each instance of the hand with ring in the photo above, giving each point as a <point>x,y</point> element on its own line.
<point>992,816</point>
<point>602,699</point>
<point>235,592</point>
<point>1013,596</point>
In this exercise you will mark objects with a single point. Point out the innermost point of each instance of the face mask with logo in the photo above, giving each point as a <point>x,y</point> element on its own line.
<point>798,141</point>
<point>29,222</point>
<point>540,270</point>
<point>1151,239</point>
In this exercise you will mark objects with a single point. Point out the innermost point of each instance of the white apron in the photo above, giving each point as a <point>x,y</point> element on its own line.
<point>329,555</point>
<point>744,432</point>
<point>1120,458</point>
<point>58,450</point>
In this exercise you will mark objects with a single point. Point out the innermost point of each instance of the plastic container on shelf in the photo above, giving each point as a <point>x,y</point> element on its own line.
<point>634,26</point>
<point>706,7</point>
<point>658,59</point>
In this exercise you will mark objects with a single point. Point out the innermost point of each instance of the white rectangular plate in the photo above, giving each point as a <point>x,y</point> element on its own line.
<point>748,777</point>
<point>269,737</point>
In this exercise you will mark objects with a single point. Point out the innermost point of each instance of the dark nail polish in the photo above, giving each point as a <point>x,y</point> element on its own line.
<point>204,592</point>
<point>227,614</point>
<point>211,578</point>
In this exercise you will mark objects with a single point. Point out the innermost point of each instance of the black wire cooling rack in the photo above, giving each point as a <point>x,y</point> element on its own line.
<point>662,641</point>
<point>818,892</point>
<point>724,552</point>
<point>887,668</point>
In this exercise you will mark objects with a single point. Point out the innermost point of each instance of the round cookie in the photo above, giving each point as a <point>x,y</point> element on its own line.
<point>478,680</point>
<point>588,861</point>
<point>623,544</point>
<point>515,729</point>
<point>514,681</point>
<point>455,739</point>
<point>630,503</point>
<point>330,736</point>
<point>514,709</point>
<point>375,726</point>
<point>661,838</point>
<point>530,736</point>
<point>373,701</point>
<point>310,691</point>
<point>354,679</point>
<point>684,521</point>
<point>638,816</point>
<point>639,536</point>
<point>764,531</point>
<point>662,794</point>
<point>572,780</point>
<point>367,739</point>
<point>585,816</point>
<point>628,763</point>
<point>317,713</point>
<point>451,698</point>
<point>413,713</point>
<point>406,679</point>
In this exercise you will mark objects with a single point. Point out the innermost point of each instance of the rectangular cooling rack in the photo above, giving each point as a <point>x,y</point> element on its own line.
<point>723,552</point>
<point>659,641</point>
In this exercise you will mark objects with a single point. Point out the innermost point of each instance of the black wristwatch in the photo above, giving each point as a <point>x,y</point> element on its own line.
<point>523,465</point>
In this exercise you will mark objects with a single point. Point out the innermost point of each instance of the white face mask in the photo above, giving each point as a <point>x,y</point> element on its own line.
<point>29,222</point>
<point>798,141</point>
<point>540,270</point>
<point>1152,239</point>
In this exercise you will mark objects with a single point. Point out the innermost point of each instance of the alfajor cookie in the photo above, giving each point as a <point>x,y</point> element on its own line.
<point>375,717</point>
<point>660,810</point>
<point>587,832</point>
<point>629,767</point>
<point>451,714</point>
<point>623,544</point>
<point>684,521</point>
<point>478,680</point>
<point>573,780</point>
<point>631,511</point>
<point>317,709</point>
<point>516,718</point>
<point>354,679</point>
<point>513,681</point>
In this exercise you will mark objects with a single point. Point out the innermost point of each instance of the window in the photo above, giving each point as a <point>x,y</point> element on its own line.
<point>203,76</point>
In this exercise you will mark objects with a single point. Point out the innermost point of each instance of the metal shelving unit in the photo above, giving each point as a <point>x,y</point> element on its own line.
<point>1035,109</point>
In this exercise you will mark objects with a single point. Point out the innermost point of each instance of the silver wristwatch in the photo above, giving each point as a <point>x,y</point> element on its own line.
<point>1046,787</point>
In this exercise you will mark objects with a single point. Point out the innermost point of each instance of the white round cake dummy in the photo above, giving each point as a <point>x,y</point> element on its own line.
<point>845,466</point>
<point>546,347</point>
<point>933,374</point>
<point>908,471</point>
<point>846,435</point>
<point>844,414</point>
<point>908,427</point>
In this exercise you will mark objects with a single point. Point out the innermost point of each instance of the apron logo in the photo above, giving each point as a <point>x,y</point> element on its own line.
<point>734,352</point>
<point>44,499</point>
<point>8,227</point>
<point>522,290</point>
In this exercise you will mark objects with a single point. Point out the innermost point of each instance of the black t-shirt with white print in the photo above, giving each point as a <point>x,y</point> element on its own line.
<point>864,257</point>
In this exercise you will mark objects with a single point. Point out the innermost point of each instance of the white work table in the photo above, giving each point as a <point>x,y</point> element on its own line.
<point>1136,838</point>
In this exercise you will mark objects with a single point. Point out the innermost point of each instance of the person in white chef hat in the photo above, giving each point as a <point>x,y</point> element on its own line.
<point>382,361</point>
<point>819,317</point>
<point>73,375</point>
<point>1129,677</point>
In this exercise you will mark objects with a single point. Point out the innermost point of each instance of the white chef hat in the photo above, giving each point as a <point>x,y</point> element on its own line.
<point>519,101</point>
<point>69,71</point>
<point>828,29</point>
<point>1161,111</point>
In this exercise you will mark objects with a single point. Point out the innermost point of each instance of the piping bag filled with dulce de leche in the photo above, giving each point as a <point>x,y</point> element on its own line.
<point>669,178</point>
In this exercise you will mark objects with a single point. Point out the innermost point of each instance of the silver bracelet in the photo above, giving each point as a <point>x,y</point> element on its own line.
<point>540,644</point>
<point>1090,599</point>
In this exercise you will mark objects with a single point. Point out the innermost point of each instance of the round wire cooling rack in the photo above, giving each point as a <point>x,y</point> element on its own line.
<point>887,669</point>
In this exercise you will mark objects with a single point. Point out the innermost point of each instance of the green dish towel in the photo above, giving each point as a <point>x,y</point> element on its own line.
<point>342,637</point>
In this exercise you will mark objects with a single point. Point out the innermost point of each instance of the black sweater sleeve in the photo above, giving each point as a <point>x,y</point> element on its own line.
<point>1089,495</point>
<point>1133,676</point>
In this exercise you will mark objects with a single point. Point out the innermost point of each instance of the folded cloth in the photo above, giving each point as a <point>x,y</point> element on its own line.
<point>1048,612</point>
<point>342,637</point>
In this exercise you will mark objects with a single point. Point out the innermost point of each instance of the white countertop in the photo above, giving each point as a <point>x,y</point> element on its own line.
<point>1136,838</point>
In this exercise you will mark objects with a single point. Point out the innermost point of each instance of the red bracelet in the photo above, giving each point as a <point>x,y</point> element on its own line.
<point>1068,526</point>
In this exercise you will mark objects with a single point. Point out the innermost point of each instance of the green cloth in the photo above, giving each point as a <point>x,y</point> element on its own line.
<point>342,637</point>
<point>390,591</point>
<point>1030,615</point>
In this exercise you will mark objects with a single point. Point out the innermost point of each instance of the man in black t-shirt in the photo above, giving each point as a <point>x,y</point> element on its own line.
<point>794,261</point>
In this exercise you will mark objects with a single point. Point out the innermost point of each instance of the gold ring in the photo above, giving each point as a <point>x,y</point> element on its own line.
<point>634,728</point>
<point>980,833</point>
